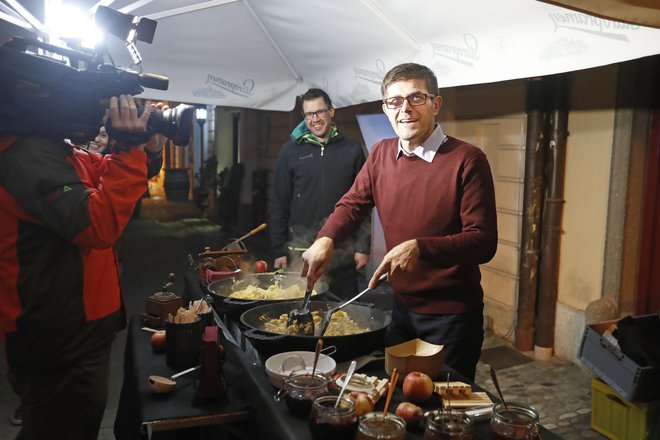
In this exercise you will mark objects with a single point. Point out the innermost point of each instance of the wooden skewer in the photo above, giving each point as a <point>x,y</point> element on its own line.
<point>393,380</point>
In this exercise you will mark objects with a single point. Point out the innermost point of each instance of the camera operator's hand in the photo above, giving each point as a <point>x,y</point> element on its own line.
<point>155,144</point>
<point>127,127</point>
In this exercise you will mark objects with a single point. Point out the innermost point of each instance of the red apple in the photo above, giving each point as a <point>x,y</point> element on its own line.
<point>417,387</point>
<point>158,341</point>
<point>410,412</point>
<point>260,266</point>
<point>333,386</point>
<point>363,403</point>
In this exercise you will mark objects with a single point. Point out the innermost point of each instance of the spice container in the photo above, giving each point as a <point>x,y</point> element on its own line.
<point>515,422</point>
<point>329,423</point>
<point>445,425</point>
<point>375,426</point>
<point>300,390</point>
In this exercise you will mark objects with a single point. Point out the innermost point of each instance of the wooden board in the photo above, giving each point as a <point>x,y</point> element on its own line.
<point>459,395</point>
<point>466,401</point>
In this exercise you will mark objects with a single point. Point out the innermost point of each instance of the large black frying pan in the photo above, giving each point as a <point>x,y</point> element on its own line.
<point>221,289</point>
<point>348,346</point>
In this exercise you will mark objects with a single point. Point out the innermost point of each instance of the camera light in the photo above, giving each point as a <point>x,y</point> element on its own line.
<point>69,24</point>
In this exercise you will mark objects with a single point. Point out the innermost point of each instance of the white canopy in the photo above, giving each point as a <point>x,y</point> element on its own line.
<point>263,53</point>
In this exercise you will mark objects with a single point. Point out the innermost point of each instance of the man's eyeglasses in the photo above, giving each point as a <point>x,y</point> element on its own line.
<point>414,99</point>
<point>310,115</point>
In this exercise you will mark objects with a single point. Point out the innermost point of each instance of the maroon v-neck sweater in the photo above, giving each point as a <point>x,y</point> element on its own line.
<point>447,205</point>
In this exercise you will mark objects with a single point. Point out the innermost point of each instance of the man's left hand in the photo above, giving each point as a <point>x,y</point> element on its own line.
<point>155,144</point>
<point>401,258</point>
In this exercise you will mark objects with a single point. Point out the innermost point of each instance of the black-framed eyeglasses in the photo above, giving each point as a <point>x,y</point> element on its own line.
<point>414,99</point>
<point>319,113</point>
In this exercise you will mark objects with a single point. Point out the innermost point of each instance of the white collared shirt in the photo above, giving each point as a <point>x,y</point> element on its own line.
<point>429,147</point>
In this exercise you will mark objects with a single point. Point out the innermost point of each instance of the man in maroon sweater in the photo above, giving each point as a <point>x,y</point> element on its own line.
<point>436,202</point>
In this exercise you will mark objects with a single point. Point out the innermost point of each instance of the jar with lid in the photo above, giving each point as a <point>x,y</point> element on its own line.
<point>446,425</point>
<point>327,422</point>
<point>300,389</point>
<point>515,422</point>
<point>376,426</point>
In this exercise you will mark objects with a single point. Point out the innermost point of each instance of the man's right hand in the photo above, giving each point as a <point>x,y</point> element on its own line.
<point>280,262</point>
<point>124,118</point>
<point>316,259</point>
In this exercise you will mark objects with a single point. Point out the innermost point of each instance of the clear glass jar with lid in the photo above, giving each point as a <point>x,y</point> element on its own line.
<point>330,422</point>
<point>516,421</point>
<point>300,389</point>
<point>376,426</point>
<point>445,425</point>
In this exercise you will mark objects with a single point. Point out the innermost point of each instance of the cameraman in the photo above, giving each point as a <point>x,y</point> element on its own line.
<point>61,211</point>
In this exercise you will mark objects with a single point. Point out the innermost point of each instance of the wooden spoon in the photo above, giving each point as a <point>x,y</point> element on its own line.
<point>162,385</point>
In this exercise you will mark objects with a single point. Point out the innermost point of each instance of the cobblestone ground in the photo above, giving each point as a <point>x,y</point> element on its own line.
<point>559,390</point>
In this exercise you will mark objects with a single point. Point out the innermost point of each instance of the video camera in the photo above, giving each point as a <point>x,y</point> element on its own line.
<point>40,94</point>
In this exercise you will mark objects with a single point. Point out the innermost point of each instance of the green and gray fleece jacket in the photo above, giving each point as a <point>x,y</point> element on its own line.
<point>310,177</point>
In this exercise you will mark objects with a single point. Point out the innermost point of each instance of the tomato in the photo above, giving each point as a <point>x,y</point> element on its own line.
<point>260,266</point>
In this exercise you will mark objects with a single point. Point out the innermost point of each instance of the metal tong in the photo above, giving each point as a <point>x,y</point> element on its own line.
<point>320,330</point>
<point>302,317</point>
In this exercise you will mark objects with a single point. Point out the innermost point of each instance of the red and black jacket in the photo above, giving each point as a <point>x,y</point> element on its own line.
<point>61,212</point>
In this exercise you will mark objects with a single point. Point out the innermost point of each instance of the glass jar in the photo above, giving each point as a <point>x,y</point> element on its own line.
<point>300,389</point>
<point>328,422</point>
<point>375,426</point>
<point>444,425</point>
<point>519,422</point>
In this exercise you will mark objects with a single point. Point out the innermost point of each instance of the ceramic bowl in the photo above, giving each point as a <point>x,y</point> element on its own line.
<point>279,366</point>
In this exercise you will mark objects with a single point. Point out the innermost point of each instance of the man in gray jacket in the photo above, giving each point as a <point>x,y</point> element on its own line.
<point>314,170</point>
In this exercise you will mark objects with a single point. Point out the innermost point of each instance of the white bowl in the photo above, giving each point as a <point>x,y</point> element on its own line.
<point>279,366</point>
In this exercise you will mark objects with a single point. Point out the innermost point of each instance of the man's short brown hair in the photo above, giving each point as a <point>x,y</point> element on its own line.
<point>408,71</point>
<point>312,94</point>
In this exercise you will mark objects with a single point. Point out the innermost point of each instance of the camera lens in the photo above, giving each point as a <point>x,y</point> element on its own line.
<point>175,123</point>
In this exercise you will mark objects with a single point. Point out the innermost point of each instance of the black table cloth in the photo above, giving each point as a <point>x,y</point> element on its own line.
<point>139,406</point>
<point>272,420</point>
<point>249,392</point>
